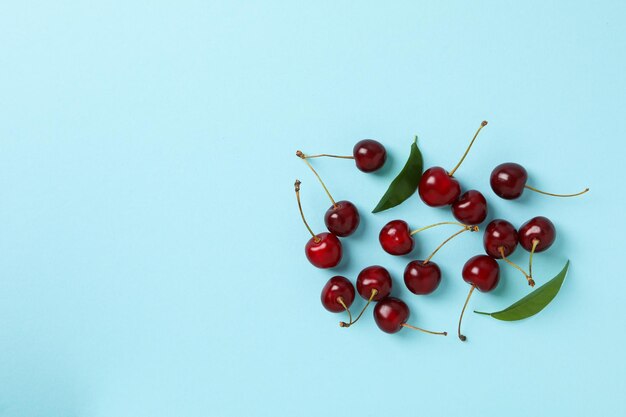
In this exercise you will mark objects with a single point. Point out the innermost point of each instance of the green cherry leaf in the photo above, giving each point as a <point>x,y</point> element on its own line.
<point>405,184</point>
<point>534,302</point>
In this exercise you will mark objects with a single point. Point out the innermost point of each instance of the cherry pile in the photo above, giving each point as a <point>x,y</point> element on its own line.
<point>437,188</point>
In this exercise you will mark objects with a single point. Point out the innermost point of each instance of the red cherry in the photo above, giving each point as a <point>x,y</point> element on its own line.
<point>369,155</point>
<point>422,278</point>
<point>374,278</point>
<point>342,219</point>
<point>395,238</point>
<point>324,250</point>
<point>470,208</point>
<point>500,234</point>
<point>437,188</point>
<point>538,229</point>
<point>337,290</point>
<point>508,180</point>
<point>390,314</point>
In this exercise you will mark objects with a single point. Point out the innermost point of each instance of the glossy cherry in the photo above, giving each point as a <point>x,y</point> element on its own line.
<point>395,238</point>
<point>391,315</point>
<point>342,218</point>
<point>482,272</point>
<point>374,280</point>
<point>500,238</point>
<point>323,250</point>
<point>508,181</point>
<point>537,234</point>
<point>369,155</point>
<point>470,208</point>
<point>422,278</point>
<point>338,294</point>
<point>438,187</point>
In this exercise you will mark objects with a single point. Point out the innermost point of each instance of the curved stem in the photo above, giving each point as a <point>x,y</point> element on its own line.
<point>304,157</point>
<point>530,259</point>
<point>327,155</point>
<point>483,124</point>
<point>463,337</point>
<point>465,229</point>
<point>531,282</point>
<point>424,330</point>
<point>556,195</point>
<point>297,187</point>
<point>435,225</point>
<point>343,324</point>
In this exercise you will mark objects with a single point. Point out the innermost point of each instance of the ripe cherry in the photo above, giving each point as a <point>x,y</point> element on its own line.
<point>391,315</point>
<point>508,181</point>
<point>536,235</point>
<point>470,208</point>
<point>500,241</point>
<point>482,272</point>
<point>438,187</point>
<point>368,154</point>
<point>374,283</point>
<point>422,277</point>
<point>342,218</point>
<point>396,238</point>
<point>324,249</point>
<point>338,295</point>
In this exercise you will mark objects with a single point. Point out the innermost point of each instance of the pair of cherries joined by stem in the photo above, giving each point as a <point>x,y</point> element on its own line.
<point>501,239</point>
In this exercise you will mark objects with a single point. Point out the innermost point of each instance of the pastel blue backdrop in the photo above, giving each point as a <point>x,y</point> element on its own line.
<point>151,250</point>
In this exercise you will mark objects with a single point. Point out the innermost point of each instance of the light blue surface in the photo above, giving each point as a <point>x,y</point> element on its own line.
<point>152,254</point>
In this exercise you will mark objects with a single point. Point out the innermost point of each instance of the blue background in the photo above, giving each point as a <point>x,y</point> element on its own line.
<point>151,250</point>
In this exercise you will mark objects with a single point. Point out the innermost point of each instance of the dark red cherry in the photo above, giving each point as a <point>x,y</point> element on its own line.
<point>395,238</point>
<point>470,208</point>
<point>482,271</point>
<point>390,314</point>
<point>508,180</point>
<point>342,219</point>
<point>374,278</point>
<point>437,188</point>
<point>337,288</point>
<point>540,229</point>
<point>324,250</point>
<point>500,234</point>
<point>369,155</point>
<point>422,278</point>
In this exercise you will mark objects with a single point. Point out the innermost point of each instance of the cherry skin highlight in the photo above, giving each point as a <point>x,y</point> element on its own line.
<point>324,250</point>
<point>470,208</point>
<point>374,278</point>
<point>500,234</point>
<point>395,238</point>
<point>422,278</point>
<point>337,288</point>
<point>538,228</point>
<point>342,219</point>
<point>369,155</point>
<point>390,314</point>
<point>437,188</point>
<point>483,272</point>
<point>508,180</point>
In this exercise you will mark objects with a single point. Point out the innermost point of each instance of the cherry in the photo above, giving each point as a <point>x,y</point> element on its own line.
<point>342,218</point>
<point>482,272</point>
<point>374,283</point>
<point>500,240</point>
<point>438,187</point>
<point>536,235</point>
<point>422,277</point>
<point>470,208</point>
<point>323,250</point>
<point>338,294</point>
<point>368,154</point>
<point>391,315</point>
<point>508,181</point>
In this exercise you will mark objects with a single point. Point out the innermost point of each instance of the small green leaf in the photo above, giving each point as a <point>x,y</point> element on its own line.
<point>534,302</point>
<point>405,184</point>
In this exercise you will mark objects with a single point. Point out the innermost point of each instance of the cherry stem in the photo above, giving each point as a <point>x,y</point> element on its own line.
<point>531,282</point>
<point>483,124</point>
<point>297,188</point>
<point>424,330</point>
<point>465,229</point>
<point>556,195</point>
<point>435,225</point>
<point>463,337</point>
<point>304,157</point>
<point>344,324</point>
<point>530,259</point>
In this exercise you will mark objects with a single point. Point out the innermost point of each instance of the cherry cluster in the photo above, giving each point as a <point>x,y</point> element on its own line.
<point>437,188</point>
